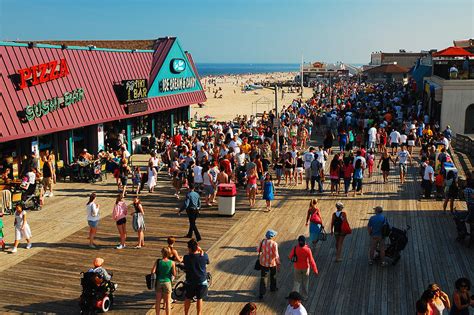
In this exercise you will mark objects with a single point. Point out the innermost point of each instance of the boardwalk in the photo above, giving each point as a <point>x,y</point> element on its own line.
<point>47,279</point>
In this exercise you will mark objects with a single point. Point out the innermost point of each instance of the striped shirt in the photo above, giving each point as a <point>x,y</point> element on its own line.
<point>269,256</point>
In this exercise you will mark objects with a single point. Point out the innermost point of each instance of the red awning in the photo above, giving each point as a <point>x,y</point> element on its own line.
<point>453,52</point>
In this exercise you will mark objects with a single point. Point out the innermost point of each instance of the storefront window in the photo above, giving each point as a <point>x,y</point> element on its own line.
<point>141,126</point>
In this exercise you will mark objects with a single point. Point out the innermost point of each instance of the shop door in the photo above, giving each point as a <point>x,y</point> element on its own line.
<point>469,120</point>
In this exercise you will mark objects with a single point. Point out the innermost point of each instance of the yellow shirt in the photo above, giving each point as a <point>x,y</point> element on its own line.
<point>245,148</point>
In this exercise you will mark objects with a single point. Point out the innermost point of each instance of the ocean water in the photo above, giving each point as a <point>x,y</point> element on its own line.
<point>206,69</point>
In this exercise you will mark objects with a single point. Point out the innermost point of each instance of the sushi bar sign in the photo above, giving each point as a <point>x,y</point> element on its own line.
<point>43,73</point>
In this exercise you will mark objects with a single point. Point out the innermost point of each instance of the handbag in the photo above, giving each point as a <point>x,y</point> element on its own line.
<point>150,281</point>
<point>345,228</point>
<point>322,235</point>
<point>294,258</point>
<point>257,263</point>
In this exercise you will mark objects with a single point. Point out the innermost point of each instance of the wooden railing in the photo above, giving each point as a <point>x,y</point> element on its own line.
<point>464,144</point>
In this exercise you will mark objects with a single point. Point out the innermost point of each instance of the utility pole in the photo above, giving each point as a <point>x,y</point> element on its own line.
<point>276,123</point>
<point>301,76</point>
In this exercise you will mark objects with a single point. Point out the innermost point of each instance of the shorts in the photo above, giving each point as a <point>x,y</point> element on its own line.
<point>164,288</point>
<point>199,291</point>
<point>307,174</point>
<point>93,224</point>
<point>299,170</point>
<point>394,145</point>
<point>403,168</point>
<point>279,172</point>
<point>124,181</point>
<point>411,143</point>
<point>250,186</point>
<point>47,182</point>
<point>208,189</point>
<point>121,221</point>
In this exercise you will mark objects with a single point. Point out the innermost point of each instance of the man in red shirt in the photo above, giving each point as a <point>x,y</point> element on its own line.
<point>303,260</point>
<point>177,139</point>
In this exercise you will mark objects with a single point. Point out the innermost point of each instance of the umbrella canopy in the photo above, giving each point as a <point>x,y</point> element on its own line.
<point>453,52</point>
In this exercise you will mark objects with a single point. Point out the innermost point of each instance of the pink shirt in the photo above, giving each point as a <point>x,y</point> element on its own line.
<point>120,211</point>
<point>269,253</point>
<point>304,258</point>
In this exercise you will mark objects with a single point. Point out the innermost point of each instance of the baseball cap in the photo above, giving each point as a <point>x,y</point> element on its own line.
<point>378,209</point>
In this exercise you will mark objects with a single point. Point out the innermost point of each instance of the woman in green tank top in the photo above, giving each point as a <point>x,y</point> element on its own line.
<point>165,270</point>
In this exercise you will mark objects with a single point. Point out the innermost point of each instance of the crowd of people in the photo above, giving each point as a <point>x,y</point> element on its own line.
<point>371,125</point>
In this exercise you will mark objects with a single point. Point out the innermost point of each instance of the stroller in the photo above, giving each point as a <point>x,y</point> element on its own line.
<point>97,294</point>
<point>29,196</point>
<point>398,241</point>
<point>461,220</point>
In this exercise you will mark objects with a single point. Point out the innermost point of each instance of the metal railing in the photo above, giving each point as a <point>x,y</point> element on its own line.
<point>464,144</point>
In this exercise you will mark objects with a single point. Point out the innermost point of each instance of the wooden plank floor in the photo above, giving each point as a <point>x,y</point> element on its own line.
<point>352,286</point>
<point>48,280</point>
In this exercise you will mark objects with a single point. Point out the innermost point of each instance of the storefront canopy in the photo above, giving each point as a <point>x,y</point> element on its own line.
<point>453,52</point>
<point>49,88</point>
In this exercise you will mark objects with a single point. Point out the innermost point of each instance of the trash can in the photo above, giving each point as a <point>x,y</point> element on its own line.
<point>226,193</point>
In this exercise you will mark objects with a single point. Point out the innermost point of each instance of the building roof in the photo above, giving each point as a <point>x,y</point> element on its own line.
<point>388,68</point>
<point>98,72</point>
<point>453,52</point>
<point>145,44</point>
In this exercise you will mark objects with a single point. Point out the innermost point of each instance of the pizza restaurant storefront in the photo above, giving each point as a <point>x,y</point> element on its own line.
<point>66,99</point>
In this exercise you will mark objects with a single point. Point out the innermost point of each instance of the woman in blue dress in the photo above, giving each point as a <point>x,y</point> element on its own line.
<point>314,220</point>
<point>268,191</point>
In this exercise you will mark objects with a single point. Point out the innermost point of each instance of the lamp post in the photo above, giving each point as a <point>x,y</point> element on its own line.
<point>276,122</point>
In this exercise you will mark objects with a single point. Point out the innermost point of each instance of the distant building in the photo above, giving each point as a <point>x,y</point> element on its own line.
<point>467,44</point>
<point>401,58</point>
<point>385,73</point>
<point>319,71</point>
<point>448,94</point>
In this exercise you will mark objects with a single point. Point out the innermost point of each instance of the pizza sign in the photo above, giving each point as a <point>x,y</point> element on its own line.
<point>43,73</point>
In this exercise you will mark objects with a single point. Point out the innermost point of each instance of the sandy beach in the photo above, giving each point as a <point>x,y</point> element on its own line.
<point>235,102</point>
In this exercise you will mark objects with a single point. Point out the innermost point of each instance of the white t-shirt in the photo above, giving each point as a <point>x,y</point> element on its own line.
<point>403,138</point>
<point>31,178</point>
<point>363,162</point>
<point>198,174</point>
<point>308,157</point>
<point>296,311</point>
<point>394,136</point>
<point>372,134</point>
<point>92,212</point>
<point>199,145</point>
<point>403,156</point>
<point>428,170</point>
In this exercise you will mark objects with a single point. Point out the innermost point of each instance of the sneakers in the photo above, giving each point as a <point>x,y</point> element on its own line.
<point>371,262</point>
<point>28,246</point>
<point>384,264</point>
<point>46,194</point>
<point>14,250</point>
<point>120,246</point>
<point>115,286</point>
<point>92,246</point>
<point>51,195</point>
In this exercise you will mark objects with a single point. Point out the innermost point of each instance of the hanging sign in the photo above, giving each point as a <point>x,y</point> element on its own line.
<point>135,90</point>
<point>43,73</point>
<point>48,106</point>
<point>134,108</point>
<point>100,137</point>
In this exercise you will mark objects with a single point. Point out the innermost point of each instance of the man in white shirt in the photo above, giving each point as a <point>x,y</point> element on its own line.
<point>428,179</point>
<point>372,137</point>
<point>199,144</point>
<point>402,157</point>
<point>308,157</point>
<point>235,144</point>
<point>394,140</point>
<point>361,158</point>
<point>294,304</point>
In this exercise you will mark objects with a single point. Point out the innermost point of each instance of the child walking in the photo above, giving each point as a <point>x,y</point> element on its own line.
<point>2,242</point>
<point>268,191</point>
<point>22,228</point>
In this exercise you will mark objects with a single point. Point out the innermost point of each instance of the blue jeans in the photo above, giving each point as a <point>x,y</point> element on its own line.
<point>318,180</point>
<point>357,184</point>
<point>347,184</point>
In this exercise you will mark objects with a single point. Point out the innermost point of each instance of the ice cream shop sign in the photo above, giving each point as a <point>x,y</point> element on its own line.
<point>43,73</point>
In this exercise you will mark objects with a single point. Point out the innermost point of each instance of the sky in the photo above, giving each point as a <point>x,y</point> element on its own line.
<point>250,31</point>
